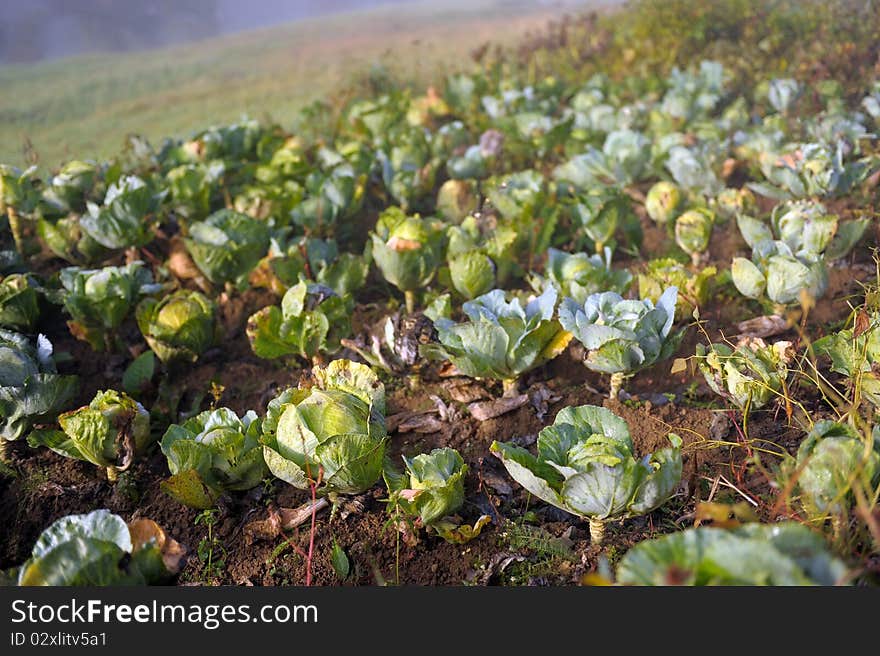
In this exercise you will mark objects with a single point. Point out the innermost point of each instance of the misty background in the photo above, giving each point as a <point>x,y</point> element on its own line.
<point>35,30</point>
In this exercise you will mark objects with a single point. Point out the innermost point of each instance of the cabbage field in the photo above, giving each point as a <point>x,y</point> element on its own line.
<point>602,307</point>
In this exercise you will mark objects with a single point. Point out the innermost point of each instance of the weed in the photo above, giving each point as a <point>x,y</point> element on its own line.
<point>546,555</point>
<point>211,552</point>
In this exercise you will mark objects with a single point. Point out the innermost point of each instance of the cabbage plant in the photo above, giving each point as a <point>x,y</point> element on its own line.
<point>70,188</point>
<point>730,203</point>
<point>19,198</point>
<point>393,342</point>
<point>448,140</point>
<point>318,261</point>
<point>831,462</point>
<point>479,258</point>
<point>663,202</point>
<point>622,336</point>
<point>19,302</point>
<point>855,357</point>
<point>331,436</point>
<point>100,549</point>
<point>472,164</point>
<point>408,250</point>
<point>786,553</point>
<point>692,95</point>
<point>408,170</point>
<point>777,273</point>
<point>99,299</point>
<point>31,390</point>
<point>604,212</point>
<point>227,245</point>
<point>806,228</point>
<point>693,230</point>
<point>577,275</point>
<point>693,287</point>
<point>109,432</point>
<point>693,168</point>
<point>310,320</point>
<point>625,158</point>
<point>501,339</point>
<point>429,490</point>
<point>456,200</point>
<point>126,217</point>
<point>212,453</point>
<point>805,170</point>
<point>190,187</point>
<point>516,195</point>
<point>331,194</point>
<point>585,465</point>
<point>749,375</point>
<point>179,327</point>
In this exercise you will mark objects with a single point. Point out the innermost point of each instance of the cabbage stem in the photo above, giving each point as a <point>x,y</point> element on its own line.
<point>838,527</point>
<point>410,298</point>
<point>112,474</point>
<point>15,229</point>
<point>509,386</point>
<point>597,531</point>
<point>616,384</point>
<point>4,451</point>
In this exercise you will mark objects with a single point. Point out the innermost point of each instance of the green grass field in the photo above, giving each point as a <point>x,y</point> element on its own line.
<point>84,106</point>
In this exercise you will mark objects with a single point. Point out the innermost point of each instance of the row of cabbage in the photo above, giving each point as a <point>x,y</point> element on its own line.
<point>331,438</point>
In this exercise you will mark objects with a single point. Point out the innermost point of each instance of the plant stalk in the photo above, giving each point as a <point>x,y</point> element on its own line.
<point>410,298</point>
<point>616,384</point>
<point>112,475</point>
<point>838,527</point>
<point>510,387</point>
<point>15,228</point>
<point>4,452</point>
<point>597,531</point>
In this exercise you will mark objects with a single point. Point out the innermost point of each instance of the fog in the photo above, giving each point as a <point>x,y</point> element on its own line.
<point>34,30</point>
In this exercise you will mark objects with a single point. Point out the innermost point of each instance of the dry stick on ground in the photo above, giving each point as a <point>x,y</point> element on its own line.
<point>723,481</point>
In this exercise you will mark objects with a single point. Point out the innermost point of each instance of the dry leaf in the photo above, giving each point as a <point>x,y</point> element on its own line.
<point>402,245</point>
<point>283,519</point>
<point>679,365</point>
<point>483,410</point>
<point>466,391</point>
<point>765,326</point>
<point>144,530</point>
<point>180,264</point>
<point>723,515</point>
<point>541,397</point>
<point>862,323</point>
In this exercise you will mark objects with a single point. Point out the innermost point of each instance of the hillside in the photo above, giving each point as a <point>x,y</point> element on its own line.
<point>86,105</point>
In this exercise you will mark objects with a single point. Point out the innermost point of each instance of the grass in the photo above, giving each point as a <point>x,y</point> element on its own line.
<point>84,106</point>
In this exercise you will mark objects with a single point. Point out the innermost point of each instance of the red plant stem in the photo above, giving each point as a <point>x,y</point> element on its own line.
<point>738,471</point>
<point>314,485</point>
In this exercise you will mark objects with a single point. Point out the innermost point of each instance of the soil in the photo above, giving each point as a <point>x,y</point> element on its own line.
<point>526,542</point>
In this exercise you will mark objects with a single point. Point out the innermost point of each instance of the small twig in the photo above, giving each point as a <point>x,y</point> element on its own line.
<point>737,490</point>
<point>714,489</point>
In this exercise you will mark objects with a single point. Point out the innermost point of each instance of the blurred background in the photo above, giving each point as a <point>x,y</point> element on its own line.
<point>33,30</point>
<point>78,76</point>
